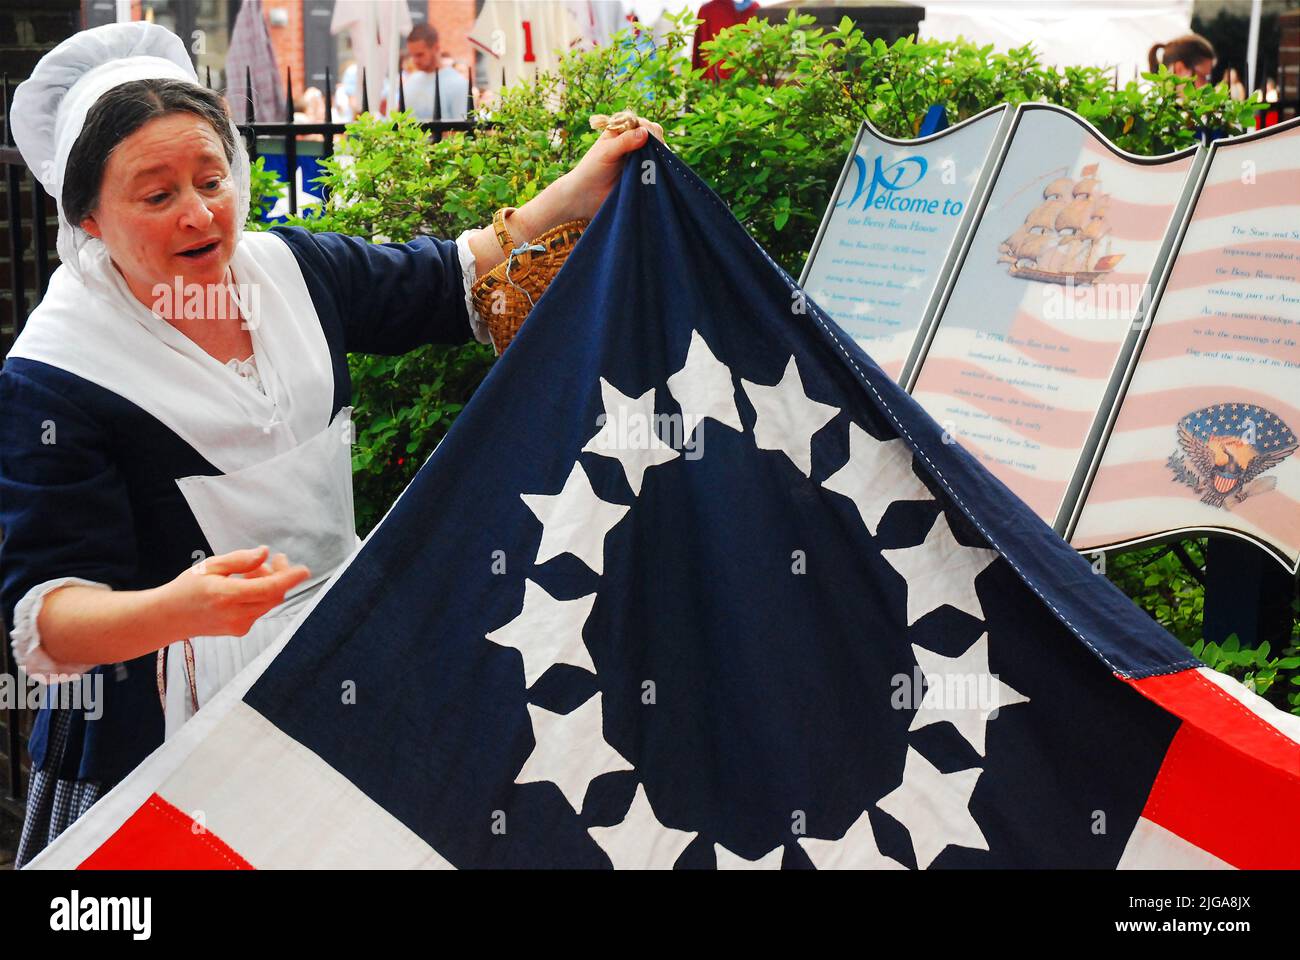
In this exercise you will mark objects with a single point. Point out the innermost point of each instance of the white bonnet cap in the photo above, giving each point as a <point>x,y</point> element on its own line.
<point>49,109</point>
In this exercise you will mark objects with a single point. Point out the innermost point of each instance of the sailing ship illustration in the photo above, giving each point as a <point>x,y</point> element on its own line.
<point>1066,238</point>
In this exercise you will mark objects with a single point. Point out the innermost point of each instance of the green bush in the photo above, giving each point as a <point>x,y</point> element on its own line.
<point>770,139</point>
<point>1274,678</point>
<point>265,187</point>
<point>1162,582</point>
<point>1165,581</point>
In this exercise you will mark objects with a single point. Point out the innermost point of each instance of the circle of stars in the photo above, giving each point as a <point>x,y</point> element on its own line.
<point>570,749</point>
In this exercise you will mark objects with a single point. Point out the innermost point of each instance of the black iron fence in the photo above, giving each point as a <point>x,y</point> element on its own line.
<point>25,275</point>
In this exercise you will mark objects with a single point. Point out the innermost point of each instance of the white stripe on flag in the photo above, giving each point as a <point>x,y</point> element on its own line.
<point>89,832</point>
<point>1152,847</point>
<point>1286,724</point>
<point>278,804</point>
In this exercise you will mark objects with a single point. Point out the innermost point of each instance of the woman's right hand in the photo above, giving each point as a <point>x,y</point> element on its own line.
<point>212,601</point>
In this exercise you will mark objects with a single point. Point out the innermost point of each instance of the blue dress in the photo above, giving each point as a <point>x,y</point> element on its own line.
<point>102,503</point>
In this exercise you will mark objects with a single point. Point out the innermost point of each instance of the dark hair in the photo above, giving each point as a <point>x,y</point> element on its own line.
<point>423,33</point>
<point>1188,50</point>
<point>120,112</point>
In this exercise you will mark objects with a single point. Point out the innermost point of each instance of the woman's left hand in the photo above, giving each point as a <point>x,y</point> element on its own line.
<point>577,195</point>
<point>594,176</point>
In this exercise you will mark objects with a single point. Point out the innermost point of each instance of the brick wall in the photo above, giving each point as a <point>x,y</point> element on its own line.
<point>453,19</point>
<point>288,39</point>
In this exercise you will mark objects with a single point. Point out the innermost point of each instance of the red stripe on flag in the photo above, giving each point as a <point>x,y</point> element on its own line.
<point>159,836</point>
<point>1224,763</point>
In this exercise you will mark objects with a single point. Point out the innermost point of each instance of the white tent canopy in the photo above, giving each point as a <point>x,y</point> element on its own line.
<point>1104,33</point>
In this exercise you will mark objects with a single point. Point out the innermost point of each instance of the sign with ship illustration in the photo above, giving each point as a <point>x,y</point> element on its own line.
<point>1047,295</point>
<point>1094,305</point>
<point>1066,238</point>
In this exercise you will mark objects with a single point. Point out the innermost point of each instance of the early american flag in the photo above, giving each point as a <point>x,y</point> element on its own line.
<point>692,583</point>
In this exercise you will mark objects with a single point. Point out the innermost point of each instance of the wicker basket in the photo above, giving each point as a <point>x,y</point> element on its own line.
<point>508,292</point>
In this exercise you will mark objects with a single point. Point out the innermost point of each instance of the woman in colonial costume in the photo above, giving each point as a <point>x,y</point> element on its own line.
<point>175,464</point>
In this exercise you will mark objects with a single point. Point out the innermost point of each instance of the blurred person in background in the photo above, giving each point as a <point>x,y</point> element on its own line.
<point>1190,55</point>
<point>347,94</point>
<point>429,74</point>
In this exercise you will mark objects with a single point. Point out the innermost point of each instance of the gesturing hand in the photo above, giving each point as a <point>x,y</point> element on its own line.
<point>213,600</point>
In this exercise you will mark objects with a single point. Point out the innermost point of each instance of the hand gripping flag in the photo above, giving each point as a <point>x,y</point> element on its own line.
<point>692,583</point>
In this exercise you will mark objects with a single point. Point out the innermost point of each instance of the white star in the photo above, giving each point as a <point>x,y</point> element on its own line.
<point>856,850</point>
<point>878,473</point>
<point>305,199</point>
<point>570,751</point>
<point>703,388</point>
<point>574,520</point>
<point>940,571</point>
<point>547,631</point>
<point>628,434</point>
<point>935,808</point>
<point>788,417</point>
<point>641,842</point>
<point>961,691</point>
<point>730,861</point>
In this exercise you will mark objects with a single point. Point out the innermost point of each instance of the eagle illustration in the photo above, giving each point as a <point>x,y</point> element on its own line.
<point>1226,447</point>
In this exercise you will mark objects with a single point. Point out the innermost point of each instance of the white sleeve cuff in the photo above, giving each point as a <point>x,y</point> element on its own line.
<point>469,268</point>
<point>29,655</point>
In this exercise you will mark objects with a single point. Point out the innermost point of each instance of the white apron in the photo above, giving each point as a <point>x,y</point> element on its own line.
<point>299,503</point>
<point>286,468</point>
